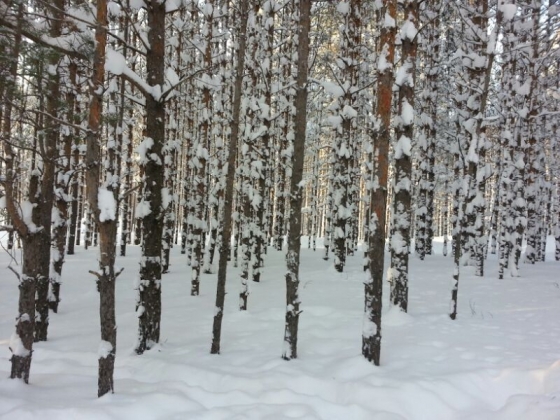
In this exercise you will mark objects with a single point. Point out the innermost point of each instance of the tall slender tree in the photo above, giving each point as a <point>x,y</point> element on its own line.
<point>303,13</point>
<point>386,14</point>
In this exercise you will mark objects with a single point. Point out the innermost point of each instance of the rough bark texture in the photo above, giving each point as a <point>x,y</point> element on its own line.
<point>21,342</point>
<point>296,191</point>
<point>346,134</point>
<point>201,157</point>
<point>52,134</point>
<point>149,289</point>
<point>60,225</point>
<point>400,238</point>
<point>371,334</point>
<point>76,203</point>
<point>106,276</point>
<point>230,177</point>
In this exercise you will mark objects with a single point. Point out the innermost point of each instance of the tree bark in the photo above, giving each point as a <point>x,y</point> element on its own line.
<point>225,239</point>
<point>371,333</point>
<point>149,288</point>
<point>400,238</point>
<point>296,190</point>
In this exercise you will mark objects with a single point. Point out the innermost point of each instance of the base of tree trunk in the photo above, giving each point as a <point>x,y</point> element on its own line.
<point>105,378</point>
<point>21,366</point>
<point>371,349</point>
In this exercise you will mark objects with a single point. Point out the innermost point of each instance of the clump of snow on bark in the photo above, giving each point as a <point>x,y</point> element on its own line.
<point>143,209</point>
<point>407,113</point>
<point>404,75</point>
<point>384,64</point>
<point>408,30</point>
<point>105,349</point>
<point>388,22</point>
<point>27,215</point>
<point>107,205</point>
<point>143,148</point>
<point>369,329</point>
<point>403,147</point>
<point>17,347</point>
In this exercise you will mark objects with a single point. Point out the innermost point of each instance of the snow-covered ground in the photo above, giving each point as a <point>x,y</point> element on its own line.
<point>499,360</point>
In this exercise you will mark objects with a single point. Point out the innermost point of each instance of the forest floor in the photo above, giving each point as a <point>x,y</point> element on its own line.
<point>500,360</point>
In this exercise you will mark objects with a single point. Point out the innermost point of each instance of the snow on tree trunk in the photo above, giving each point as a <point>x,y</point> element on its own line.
<point>127,145</point>
<point>46,194</point>
<point>201,155</point>
<point>284,132</point>
<point>75,182</point>
<point>329,209</point>
<point>302,9</point>
<point>478,59</point>
<point>386,16</point>
<point>21,341</point>
<point>148,305</point>
<point>230,178</point>
<point>428,121</point>
<point>400,238</point>
<point>263,91</point>
<point>344,121</point>
<point>102,200</point>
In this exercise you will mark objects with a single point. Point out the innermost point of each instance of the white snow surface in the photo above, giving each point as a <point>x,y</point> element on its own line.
<point>500,360</point>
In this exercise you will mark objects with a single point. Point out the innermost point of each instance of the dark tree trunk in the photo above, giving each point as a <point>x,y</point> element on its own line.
<point>61,224</point>
<point>80,209</point>
<point>75,216</point>
<point>107,224</point>
<point>21,343</point>
<point>52,134</point>
<point>149,289</point>
<point>400,240</point>
<point>296,191</point>
<point>230,177</point>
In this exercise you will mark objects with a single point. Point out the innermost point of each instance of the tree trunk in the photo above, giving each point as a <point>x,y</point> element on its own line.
<point>230,177</point>
<point>149,288</point>
<point>400,238</point>
<point>371,333</point>
<point>296,191</point>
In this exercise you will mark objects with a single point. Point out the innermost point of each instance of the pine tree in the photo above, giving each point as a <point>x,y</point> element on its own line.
<point>371,335</point>
<point>400,237</point>
<point>303,13</point>
<point>149,287</point>
<point>225,249</point>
